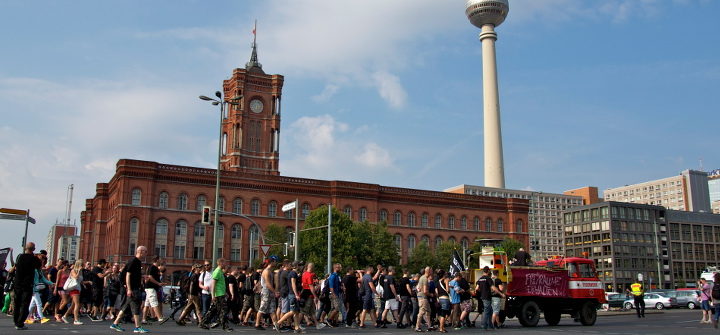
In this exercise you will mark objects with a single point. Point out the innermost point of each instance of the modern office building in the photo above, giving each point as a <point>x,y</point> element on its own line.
<point>589,194</point>
<point>714,190</point>
<point>694,244</point>
<point>68,248</point>
<point>685,192</point>
<point>544,217</point>
<point>625,239</point>
<point>52,242</point>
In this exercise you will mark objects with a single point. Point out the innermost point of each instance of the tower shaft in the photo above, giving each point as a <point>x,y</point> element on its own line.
<point>494,168</point>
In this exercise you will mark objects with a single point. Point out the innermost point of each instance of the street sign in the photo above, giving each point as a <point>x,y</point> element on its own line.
<point>17,217</point>
<point>265,248</point>
<point>13,211</point>
<point>289,206</point>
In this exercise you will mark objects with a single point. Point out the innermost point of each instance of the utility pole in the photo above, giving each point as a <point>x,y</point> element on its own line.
<point>329,240</point>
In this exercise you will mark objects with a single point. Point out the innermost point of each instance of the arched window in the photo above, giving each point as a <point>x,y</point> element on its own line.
<point>452,240</point>
<point>236,232</point>
<point>383,215</point>
<point>411,219</point>
<point>438,241</point>
<point>254,242</point>
<point>255,207</point>
<point>500,225</point>
<point>305,210</point>
<point>182,202</point>
<point>451,222</point>
<point>237,206</point>
<point>221,232</point>
<point>438,221</point>
<point>181,228</point>
<point>201,202</point>
<point>161,227</point>
<point>135,198</point>
<point>465,242</point>
<point>397,218</point>
<point>222,204</point>
<point>411,244</point>
<point>476,223</point>
<point>424,220</point>
<point>272,209</point>
<point>199,230</point>
<point>463,222</point>
<point>425,240</point>
<point>398,243</point>
<point>363,215</point>
<point>134,226</point>
<point>224,139</point>
<point>488,224</point>
<point>519,226</point>
<point>348,211</point>
<point>163,200</point>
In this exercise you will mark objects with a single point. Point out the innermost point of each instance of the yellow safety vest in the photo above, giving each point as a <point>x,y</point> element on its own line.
<point>636,289</point>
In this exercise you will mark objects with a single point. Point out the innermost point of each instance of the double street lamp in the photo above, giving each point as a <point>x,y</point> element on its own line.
<point>219,101</point>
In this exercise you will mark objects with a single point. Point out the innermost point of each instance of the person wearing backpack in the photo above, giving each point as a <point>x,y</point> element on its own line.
<point>193,296</point>
<point>716,298</point>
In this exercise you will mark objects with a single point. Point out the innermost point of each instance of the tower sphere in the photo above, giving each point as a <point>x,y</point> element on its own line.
<point>482,12</point>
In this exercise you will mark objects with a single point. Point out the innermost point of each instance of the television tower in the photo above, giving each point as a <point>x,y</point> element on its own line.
<point>486,15</point>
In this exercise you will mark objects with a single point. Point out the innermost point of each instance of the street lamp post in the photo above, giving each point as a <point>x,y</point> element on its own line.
<point>219,101</point>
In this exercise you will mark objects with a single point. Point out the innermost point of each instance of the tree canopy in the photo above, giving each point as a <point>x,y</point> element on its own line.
<point>355,244</point>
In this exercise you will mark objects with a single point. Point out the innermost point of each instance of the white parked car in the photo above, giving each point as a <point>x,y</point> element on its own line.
<point>653,300</point>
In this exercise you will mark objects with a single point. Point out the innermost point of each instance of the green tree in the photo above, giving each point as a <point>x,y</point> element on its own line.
<point>420,257</point>
<point>444,254</point>
<point>510,246</point>
<point>354,244</point>
<point>276,235</point>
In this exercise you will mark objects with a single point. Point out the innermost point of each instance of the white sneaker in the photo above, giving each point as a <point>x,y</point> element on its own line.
<point>320,325</point>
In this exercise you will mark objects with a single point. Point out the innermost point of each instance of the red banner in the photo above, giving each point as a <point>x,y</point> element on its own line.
<point>538,283</point>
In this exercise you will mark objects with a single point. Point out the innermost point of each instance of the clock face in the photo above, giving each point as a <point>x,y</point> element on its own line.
<point>256,106</point>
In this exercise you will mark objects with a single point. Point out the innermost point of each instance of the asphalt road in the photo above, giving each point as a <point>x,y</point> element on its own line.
<point>670,322</point>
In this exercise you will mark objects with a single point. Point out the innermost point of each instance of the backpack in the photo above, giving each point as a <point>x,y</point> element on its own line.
<point>716,291</point>
<point>248,286</point>
<point>185,284</point>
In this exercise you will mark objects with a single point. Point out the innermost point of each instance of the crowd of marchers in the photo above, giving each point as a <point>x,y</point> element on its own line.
<point>279,294</point>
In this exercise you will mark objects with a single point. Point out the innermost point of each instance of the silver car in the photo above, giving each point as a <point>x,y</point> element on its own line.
<point>685,298</point>
<point>656,300</point>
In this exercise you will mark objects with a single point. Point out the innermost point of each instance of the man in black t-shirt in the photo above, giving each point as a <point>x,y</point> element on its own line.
<point>25,266</point>
<point>131,276</point>
<point>152,286</point>
<point>98,279</point>
<point>350,282</point>
<point>484,288</point>
<point>232,293</point>
<point>403,286</point>
<point>390,296</point>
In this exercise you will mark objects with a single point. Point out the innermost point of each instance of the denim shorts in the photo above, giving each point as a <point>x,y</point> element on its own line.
<point>705,304</point>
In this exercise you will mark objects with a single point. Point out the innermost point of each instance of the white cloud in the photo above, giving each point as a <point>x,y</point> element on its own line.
<point>322,147</point>
<point>327,93</point>
<point>390,89</point>
<point>74,133</point>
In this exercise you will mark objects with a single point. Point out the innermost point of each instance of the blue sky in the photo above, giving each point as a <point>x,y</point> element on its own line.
<point>601,93</point>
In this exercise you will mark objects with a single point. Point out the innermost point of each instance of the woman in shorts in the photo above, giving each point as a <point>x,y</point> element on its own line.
<point>62,276</point>
<point>443,298</point>
<point>74,294</point>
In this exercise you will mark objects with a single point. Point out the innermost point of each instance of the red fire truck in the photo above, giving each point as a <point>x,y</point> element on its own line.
<point>552,288</point>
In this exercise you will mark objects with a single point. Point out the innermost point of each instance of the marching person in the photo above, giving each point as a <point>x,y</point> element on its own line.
<point>132,279</point>
<point>24,270</point>
<point>218,291</point>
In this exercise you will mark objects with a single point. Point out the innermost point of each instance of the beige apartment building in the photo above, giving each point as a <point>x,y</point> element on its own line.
<point>685,192</point>
<point>544,218</point>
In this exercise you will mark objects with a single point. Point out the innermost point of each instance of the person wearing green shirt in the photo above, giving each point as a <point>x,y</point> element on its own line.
<point>219,308</point>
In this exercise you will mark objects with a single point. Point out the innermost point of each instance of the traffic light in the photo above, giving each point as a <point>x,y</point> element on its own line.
<point>206,215</point>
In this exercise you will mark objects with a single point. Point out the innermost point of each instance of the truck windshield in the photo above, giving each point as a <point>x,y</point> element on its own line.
<point>582,270</point>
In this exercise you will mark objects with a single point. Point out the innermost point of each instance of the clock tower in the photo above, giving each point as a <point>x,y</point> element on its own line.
<point>251,125</point>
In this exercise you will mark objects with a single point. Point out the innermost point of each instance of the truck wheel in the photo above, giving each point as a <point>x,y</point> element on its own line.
<point>588,314</point>
<point>552,317</point>
<point>529,314</point>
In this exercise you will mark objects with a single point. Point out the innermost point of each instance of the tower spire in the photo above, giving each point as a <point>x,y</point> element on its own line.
<point>253,63</point>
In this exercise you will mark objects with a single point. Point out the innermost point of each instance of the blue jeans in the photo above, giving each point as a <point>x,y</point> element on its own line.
<point>205,301</point>
<point>717,312</point>
<point>487,314</point>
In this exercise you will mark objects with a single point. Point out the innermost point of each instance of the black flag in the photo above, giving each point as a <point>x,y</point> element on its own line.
<point>457,264</point>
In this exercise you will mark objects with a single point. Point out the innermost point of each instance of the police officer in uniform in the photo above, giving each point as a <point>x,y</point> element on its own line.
<point>636,289</point>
